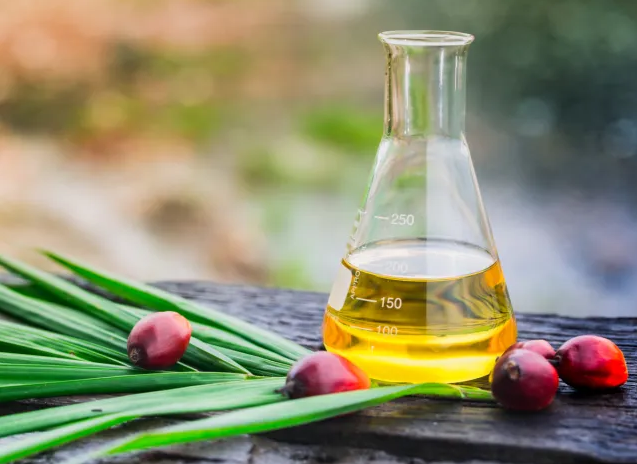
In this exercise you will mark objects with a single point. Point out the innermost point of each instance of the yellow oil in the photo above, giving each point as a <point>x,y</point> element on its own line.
<point>411,311</point>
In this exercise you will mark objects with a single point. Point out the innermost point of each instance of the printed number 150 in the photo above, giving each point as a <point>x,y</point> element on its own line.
<point>391,302</point>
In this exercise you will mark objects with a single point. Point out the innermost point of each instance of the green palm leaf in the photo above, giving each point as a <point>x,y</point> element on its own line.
<point>287,414</point>
<point>59,319</point>
<point>34,444</point>
<point>198,353</point>
<point>32,373</point>
<point>273,413</point>
<point>278,416</point>
<point>119,410</point>
<point>160,300</point>
<point>30,340</point>
<point>132,383</point>
<point>29,359</point>
<point>216,391</point>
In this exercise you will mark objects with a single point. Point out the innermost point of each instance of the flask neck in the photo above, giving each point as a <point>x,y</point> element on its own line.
<point>425,92</point>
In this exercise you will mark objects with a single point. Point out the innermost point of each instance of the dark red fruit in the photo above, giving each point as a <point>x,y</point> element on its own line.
<point>541,347</point>
<point>524,381</point>
<point>159,340</point>
<point>321,373</point>
<point>590,362</point>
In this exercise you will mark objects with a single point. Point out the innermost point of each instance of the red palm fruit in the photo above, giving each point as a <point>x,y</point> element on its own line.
<point>541,347</point>
<point>524,381</point>
<point>591,362</point>
<point>159,340</point>
<point>321,373</point>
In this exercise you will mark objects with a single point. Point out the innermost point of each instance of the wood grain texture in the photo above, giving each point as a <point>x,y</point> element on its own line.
<point>576,429</point>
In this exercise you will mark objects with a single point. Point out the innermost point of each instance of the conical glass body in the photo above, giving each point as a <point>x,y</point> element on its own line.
<point>420,295</point>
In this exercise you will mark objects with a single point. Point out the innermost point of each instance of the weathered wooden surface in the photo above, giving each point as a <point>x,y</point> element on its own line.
<point>576,429</point>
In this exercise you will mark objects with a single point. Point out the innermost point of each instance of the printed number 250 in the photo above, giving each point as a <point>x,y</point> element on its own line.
<point>402,219</point>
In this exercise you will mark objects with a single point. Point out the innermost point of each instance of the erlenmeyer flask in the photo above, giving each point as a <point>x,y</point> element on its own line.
<point>420,295</point>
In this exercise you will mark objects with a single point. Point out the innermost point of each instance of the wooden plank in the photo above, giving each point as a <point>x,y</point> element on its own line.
<point>576,429</point>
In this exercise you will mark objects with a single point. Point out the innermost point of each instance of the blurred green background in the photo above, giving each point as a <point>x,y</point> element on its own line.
<point>232,140</point>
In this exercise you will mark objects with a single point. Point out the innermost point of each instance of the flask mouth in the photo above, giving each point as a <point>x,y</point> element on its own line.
<point>426,38</point>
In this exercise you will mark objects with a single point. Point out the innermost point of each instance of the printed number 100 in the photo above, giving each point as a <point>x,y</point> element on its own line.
<point>387,330</point>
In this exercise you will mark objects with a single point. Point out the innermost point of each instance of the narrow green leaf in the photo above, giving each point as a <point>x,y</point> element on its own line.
<point>57,349</point>
<point>35,292</point>
<point>50,343</point>
<point>256,364</point>
<point>283,415</point>
<point>17,373</point>
<point>264,417</point>
<point>201,353</point>
<point>59,319</point>
<point>198,353</point>
<point>160,300</point>
<point>107,385</point>
<point>116,411</point>
<point>28,359</point>
<point>178,393</point>
<point>74,314</point>
<point>219,337</point>
<point>25,347</point>
<point>92,304</point>
<point>41,442</point>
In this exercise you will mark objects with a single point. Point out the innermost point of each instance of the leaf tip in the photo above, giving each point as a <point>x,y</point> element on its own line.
<point>53,256</point>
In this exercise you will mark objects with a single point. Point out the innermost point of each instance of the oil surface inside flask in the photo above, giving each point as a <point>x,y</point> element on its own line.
<point>420,310</point>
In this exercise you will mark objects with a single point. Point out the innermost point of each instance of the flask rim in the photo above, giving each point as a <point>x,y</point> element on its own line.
<point>426,38</point>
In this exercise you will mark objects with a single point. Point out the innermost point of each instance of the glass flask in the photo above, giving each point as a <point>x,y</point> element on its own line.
<point>419,295</point>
